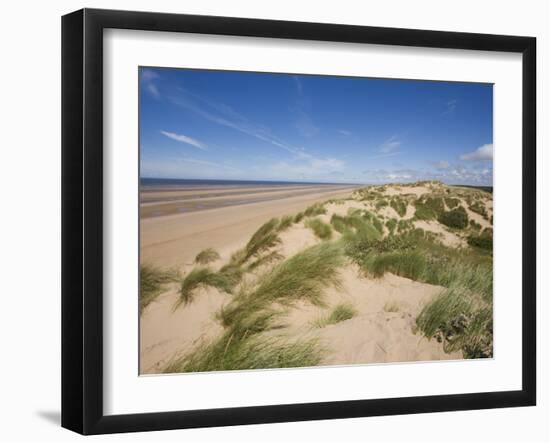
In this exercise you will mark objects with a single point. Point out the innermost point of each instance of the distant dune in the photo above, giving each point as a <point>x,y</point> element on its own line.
<point>265,277</point>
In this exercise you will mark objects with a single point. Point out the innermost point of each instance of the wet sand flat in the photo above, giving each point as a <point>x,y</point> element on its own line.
<point>176,202</point>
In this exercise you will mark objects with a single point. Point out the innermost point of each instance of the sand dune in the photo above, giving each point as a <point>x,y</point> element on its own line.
<point>383,327</point>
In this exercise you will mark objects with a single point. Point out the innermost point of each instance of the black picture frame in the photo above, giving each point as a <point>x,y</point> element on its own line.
<point>82,218</point>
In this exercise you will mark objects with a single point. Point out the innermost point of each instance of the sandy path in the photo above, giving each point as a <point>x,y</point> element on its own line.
<point>176,239</point>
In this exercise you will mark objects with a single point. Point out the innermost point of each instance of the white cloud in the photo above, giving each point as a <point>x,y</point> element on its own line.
<point>184,139</point>
<point>148,78</point>
<point>482,153</point>
<point>390,145</point>
<point>344,132</point>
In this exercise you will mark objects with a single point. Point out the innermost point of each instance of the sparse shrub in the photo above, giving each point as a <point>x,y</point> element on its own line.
<point>456,218</point>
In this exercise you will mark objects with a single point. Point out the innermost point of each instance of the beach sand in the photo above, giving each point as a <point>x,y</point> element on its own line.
<point>175,240</point>
<point>384,327</point>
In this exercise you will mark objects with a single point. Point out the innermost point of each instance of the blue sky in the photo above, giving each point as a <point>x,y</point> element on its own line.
<point>233,125</point>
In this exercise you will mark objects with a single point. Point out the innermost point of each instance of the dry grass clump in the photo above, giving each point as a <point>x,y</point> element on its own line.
<point>207,256</point>
<point>391,307</point>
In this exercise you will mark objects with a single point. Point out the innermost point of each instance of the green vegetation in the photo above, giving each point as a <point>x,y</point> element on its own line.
<point>404,226</point>
<point>285,223</point>
<point>399,206</point>
<point>456,218</point>
<point>235,352</point>
<point>429,208</point>
<point>207,256</point>
<point>479,208</point>
<point>264,238</point>
<point>320,228</point>
<point>315,209</point>
<point>461,316</point>
<point>339,223</point>
<point>298,217</point>
<point>391,224</point>
<point>452,202</point>
<point>381,204</point>
<point>482,241</point>
<point>151,282</point>
<point>475,225</point>
<point>340,313</point>
<point>201,278</point>
<point>302,277</point>
<point>461,320</point>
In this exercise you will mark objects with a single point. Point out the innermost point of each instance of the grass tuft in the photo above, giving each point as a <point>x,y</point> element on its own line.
<point>391,307</point>
<point>315,209</point>
<point>340,313</point>
<point>320,228</point>
<point>207,256</point>
<point>232,352</point>
<point>151,282</point>
<point>264,238</point>
<point>200,278</point>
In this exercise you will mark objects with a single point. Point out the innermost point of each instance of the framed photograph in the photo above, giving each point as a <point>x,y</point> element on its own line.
<point>269,221</point>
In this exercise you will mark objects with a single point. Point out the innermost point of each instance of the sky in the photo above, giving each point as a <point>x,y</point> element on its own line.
<point>199,124</point>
